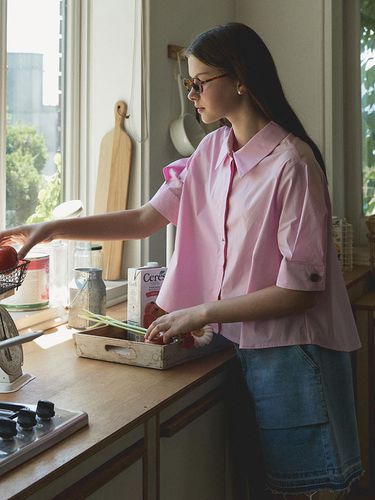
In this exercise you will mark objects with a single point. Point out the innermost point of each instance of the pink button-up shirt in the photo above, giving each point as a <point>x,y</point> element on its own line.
<point>250,219</point>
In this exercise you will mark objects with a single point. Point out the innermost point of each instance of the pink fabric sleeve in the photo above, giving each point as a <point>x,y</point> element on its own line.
<point>302,232</point>
<point>167,199</point>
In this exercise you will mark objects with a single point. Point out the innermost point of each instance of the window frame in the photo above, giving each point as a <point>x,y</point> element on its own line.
<point>353,122</point>
<point>3,59</point>
<point>74,106</point>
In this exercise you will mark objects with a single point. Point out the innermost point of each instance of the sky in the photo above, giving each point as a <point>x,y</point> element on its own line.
<point>33,27</point>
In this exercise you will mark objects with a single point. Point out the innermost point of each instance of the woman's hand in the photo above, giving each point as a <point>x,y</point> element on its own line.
<point>28,236</point>
<point>176,323</point>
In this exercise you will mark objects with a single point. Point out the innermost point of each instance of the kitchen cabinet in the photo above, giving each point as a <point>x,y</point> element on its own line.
<point>193,450</point>
<point>364,386</point>
<point>116,469</point>
<point>126,484</point>
<point>362,298</point>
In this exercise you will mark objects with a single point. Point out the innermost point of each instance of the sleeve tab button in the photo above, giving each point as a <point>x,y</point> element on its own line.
<point>315,277</point>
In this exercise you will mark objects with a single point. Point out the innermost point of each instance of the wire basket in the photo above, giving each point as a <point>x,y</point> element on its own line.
<point>343,238</point>
<point>13,278</point>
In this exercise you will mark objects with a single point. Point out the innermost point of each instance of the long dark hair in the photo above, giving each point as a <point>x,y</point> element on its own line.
<point>238,50</point>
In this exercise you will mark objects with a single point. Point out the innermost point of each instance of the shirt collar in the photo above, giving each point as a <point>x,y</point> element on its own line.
<point>257,148</point>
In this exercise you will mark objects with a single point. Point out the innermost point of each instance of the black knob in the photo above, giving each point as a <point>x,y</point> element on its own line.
<point>8,428</point>
<point>45,410</point>
<point>26,418</point>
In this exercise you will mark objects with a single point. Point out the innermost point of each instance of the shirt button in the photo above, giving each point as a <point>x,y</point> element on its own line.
<point>315,277</point>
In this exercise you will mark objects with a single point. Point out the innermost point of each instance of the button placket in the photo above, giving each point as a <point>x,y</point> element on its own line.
<point>225,227</point>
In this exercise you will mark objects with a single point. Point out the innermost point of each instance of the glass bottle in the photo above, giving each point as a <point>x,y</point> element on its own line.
<point>86,292</point>
<point>82,254</point>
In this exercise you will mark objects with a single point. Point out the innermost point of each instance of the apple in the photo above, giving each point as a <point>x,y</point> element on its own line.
<point>8,258</point>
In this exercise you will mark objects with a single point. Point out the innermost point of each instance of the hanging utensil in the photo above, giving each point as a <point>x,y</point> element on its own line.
<point>186,132</point>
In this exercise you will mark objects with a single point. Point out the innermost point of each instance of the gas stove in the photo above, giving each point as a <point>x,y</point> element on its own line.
<point>26,430</point>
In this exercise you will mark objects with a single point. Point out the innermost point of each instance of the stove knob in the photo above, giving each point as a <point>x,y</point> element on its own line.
<point>26,419</point>
<point>8,428</point>
<point>45,410</point>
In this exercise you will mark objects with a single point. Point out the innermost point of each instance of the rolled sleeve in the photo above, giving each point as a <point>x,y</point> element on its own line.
<point>303,228</point>
<point>167,199</point>
<point>301,276</point>
<point>166,203</point>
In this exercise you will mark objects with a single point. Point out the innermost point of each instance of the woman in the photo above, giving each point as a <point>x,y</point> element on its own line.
<point>253,256</point>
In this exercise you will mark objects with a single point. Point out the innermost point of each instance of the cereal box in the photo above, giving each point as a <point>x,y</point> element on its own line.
<point>144,284</point>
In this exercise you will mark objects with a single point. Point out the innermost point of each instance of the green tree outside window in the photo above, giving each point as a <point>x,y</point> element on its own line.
<point>29,196</point>
<point>368,104</point>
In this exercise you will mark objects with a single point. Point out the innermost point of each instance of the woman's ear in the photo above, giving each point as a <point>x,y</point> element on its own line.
<point>241,89</point>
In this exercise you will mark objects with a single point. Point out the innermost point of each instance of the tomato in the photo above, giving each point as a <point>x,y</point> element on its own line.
<point>8,258</point>
<point>157,340</point>
<point>187,340</point>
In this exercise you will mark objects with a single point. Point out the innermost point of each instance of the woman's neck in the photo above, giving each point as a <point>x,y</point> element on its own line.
<point>244,132</point>
<point>246,124</point>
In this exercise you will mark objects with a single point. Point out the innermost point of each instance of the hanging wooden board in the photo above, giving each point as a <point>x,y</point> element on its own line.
<point>113,185</point>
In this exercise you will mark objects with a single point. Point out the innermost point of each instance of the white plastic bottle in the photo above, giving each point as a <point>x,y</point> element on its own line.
<point>59,273</point>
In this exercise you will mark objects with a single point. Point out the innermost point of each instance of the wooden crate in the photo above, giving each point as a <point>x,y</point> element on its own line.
<point>114,344</point>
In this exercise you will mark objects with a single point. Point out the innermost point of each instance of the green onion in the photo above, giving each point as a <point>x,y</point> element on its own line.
<point>107,320</point>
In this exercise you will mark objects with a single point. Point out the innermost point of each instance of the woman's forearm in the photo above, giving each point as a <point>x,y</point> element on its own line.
<point>271,302</point>
<point>124,225</point>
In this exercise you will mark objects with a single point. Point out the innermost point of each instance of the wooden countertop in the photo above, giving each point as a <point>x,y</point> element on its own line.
<point>116,398</point>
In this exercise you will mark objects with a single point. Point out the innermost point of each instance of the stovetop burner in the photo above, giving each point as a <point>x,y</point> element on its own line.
<point>26,430</point>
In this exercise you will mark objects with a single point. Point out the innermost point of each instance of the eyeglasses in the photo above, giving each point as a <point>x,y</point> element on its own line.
<point>197,85</point>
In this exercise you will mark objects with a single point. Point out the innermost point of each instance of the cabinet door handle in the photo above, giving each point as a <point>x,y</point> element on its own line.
<point>187,415</point>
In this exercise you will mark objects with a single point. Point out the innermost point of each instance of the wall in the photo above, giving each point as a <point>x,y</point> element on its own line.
<point>177,23</point>
<point>295,42</point>
<point>111,41</point>
<point>305,40</point>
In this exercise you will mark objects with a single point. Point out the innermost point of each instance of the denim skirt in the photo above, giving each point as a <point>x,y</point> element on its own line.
<point>302,396</point>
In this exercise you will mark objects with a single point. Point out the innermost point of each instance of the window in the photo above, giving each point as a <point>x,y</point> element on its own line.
<point>41,73</point>
<point>43,69</point>
<point>35,75</point>
<point>368,105</point>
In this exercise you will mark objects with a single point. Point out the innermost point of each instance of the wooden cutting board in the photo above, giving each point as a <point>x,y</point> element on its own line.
<point>113,184</point>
